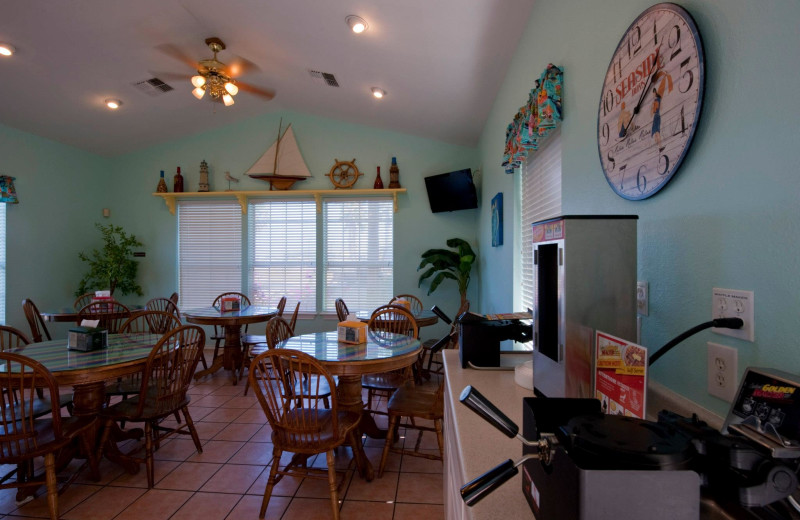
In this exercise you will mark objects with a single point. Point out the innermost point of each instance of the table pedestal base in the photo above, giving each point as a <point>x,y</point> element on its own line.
<point>231,358</point>
<point>348,394</point>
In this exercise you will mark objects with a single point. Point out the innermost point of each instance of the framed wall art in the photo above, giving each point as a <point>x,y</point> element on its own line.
<point>497,220</point>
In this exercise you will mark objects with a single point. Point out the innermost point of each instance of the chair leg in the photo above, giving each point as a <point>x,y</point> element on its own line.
<point>216,350</point>
<point>332,485</point>
<point>192,429</point>
<point>437,423</point>
<point>360,466</point>
<point>390,436</point>
<point>203,359</point>
<point>52,485</point>
<point>276,460</point>
<point>148,453</point>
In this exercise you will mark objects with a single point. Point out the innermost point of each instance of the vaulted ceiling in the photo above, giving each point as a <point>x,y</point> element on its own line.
<point>441,63</point>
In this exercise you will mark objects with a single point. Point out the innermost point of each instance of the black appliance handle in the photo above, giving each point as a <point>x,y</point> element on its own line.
<point>475,490</point>
<point>437,311</point>
<point>476,402</point>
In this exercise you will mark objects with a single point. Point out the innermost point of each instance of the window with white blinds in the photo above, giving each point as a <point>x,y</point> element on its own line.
<point>541,199</point>
<point>209,250</point>
<point>358,252</point>
<point>282,252</point>
<point>3,263</point>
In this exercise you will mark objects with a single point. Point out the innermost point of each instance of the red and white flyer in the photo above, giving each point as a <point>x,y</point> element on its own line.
<point>620,376</point>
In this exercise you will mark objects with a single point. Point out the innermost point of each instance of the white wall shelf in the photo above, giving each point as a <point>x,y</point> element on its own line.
<point>242,196</point>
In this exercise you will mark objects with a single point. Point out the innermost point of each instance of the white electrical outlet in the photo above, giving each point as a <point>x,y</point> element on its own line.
<point>722,371</point>
<point>727,303</point>
<point>641,298</point>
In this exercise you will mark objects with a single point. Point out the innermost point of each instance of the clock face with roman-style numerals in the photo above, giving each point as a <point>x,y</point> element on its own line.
<point>651,101</point>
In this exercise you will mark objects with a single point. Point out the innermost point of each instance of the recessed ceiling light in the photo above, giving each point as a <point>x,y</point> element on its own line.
<point>6,49</point>
<point>356,23</point>
<point>113,104</point>
<point>378,92</point>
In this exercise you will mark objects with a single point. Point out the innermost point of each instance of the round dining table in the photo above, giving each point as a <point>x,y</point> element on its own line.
<point>381,352</point>
<point>88,372</point>
<point>232,322</point>
<point>70,314</point>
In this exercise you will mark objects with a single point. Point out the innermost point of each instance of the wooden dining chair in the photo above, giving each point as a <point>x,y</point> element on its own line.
<point>110,314</point>
<point>38,328</point>
<point>341,309</point>
<point>174,298</point>
<point>163,304</point>
<point>26,436</point>
<point>83,300</point>
<point>414,402</point>
<point>10,339</point>
<point>219,332</point>
<point>162,393</point>
<point>248,340</point>
<point>298,423</point>
<point>415,304</point>
<point>396,320</point>
<point>281,305</point>
<point>141,322</point>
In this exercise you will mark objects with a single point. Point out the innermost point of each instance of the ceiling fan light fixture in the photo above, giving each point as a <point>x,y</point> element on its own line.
<point>228,100</point>
<point>378,92</point>
<point>198,81</point>
<point>356,24</point>
<point>231,88</point>
<point>6,49</point>
<point>198,92</point>
<point>113,104</point>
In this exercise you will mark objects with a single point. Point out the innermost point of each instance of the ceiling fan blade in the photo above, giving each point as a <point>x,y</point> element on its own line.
<point>239,66</point>
<point>178,54</point>
<point>258,91</point>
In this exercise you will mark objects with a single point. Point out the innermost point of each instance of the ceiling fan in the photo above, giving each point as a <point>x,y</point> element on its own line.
<point>214,77</point>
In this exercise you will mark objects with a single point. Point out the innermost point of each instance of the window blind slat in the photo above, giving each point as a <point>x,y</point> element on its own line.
<point>209,250</point>
<point>541,199</point>
<point>358,253</point>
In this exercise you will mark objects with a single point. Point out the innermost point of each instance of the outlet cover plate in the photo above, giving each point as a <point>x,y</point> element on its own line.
<point>729,303</point>
<point>723,371</point>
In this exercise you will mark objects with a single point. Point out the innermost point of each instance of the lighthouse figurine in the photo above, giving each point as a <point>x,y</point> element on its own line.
<point>203,176</point>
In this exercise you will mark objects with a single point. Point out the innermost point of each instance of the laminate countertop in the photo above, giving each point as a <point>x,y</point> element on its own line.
<point>473,446</point>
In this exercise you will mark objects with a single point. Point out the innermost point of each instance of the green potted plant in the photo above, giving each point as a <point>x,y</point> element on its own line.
<point>113,267</point>
<point>444,263</point>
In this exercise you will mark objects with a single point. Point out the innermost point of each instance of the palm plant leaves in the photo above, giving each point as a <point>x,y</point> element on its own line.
<point>447,264</point>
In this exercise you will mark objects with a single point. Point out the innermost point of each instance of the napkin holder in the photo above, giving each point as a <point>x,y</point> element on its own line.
<point>229,304</point>
<point>86,339</point>
<point>352,330</point>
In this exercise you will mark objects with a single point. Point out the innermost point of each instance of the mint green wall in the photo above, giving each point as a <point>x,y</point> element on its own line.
<point>62,191</point>
<point>730,218</point>
<point>235,148</point>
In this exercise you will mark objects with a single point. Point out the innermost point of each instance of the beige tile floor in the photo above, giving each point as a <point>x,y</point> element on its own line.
<point>227,480</point>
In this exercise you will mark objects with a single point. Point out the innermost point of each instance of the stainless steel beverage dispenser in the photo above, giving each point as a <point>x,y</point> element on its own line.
<point>584,277</point>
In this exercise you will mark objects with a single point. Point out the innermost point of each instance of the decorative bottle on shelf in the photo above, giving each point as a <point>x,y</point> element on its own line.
<point>378,181</point>
<point>178,184</point>
<point>394,174</point>
<point>162,184</point>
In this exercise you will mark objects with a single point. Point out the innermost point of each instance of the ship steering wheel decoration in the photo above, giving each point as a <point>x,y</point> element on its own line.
<point>344,173</point>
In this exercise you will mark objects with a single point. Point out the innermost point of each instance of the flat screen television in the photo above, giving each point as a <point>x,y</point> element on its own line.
<point>451,191</point>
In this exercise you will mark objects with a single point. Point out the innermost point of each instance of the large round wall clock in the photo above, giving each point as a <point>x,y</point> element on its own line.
<point>651,101</point>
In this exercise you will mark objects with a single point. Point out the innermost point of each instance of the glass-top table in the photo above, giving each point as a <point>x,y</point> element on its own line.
<point>382,352</point>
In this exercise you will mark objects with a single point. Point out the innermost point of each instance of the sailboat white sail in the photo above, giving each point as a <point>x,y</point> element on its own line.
<point>282,164</point>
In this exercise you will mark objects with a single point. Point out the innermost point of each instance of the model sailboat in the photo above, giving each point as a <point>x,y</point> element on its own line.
<point>283,160</point>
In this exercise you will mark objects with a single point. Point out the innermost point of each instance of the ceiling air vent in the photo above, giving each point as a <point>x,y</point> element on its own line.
<point>153,87</point>
<point>325,77</point>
